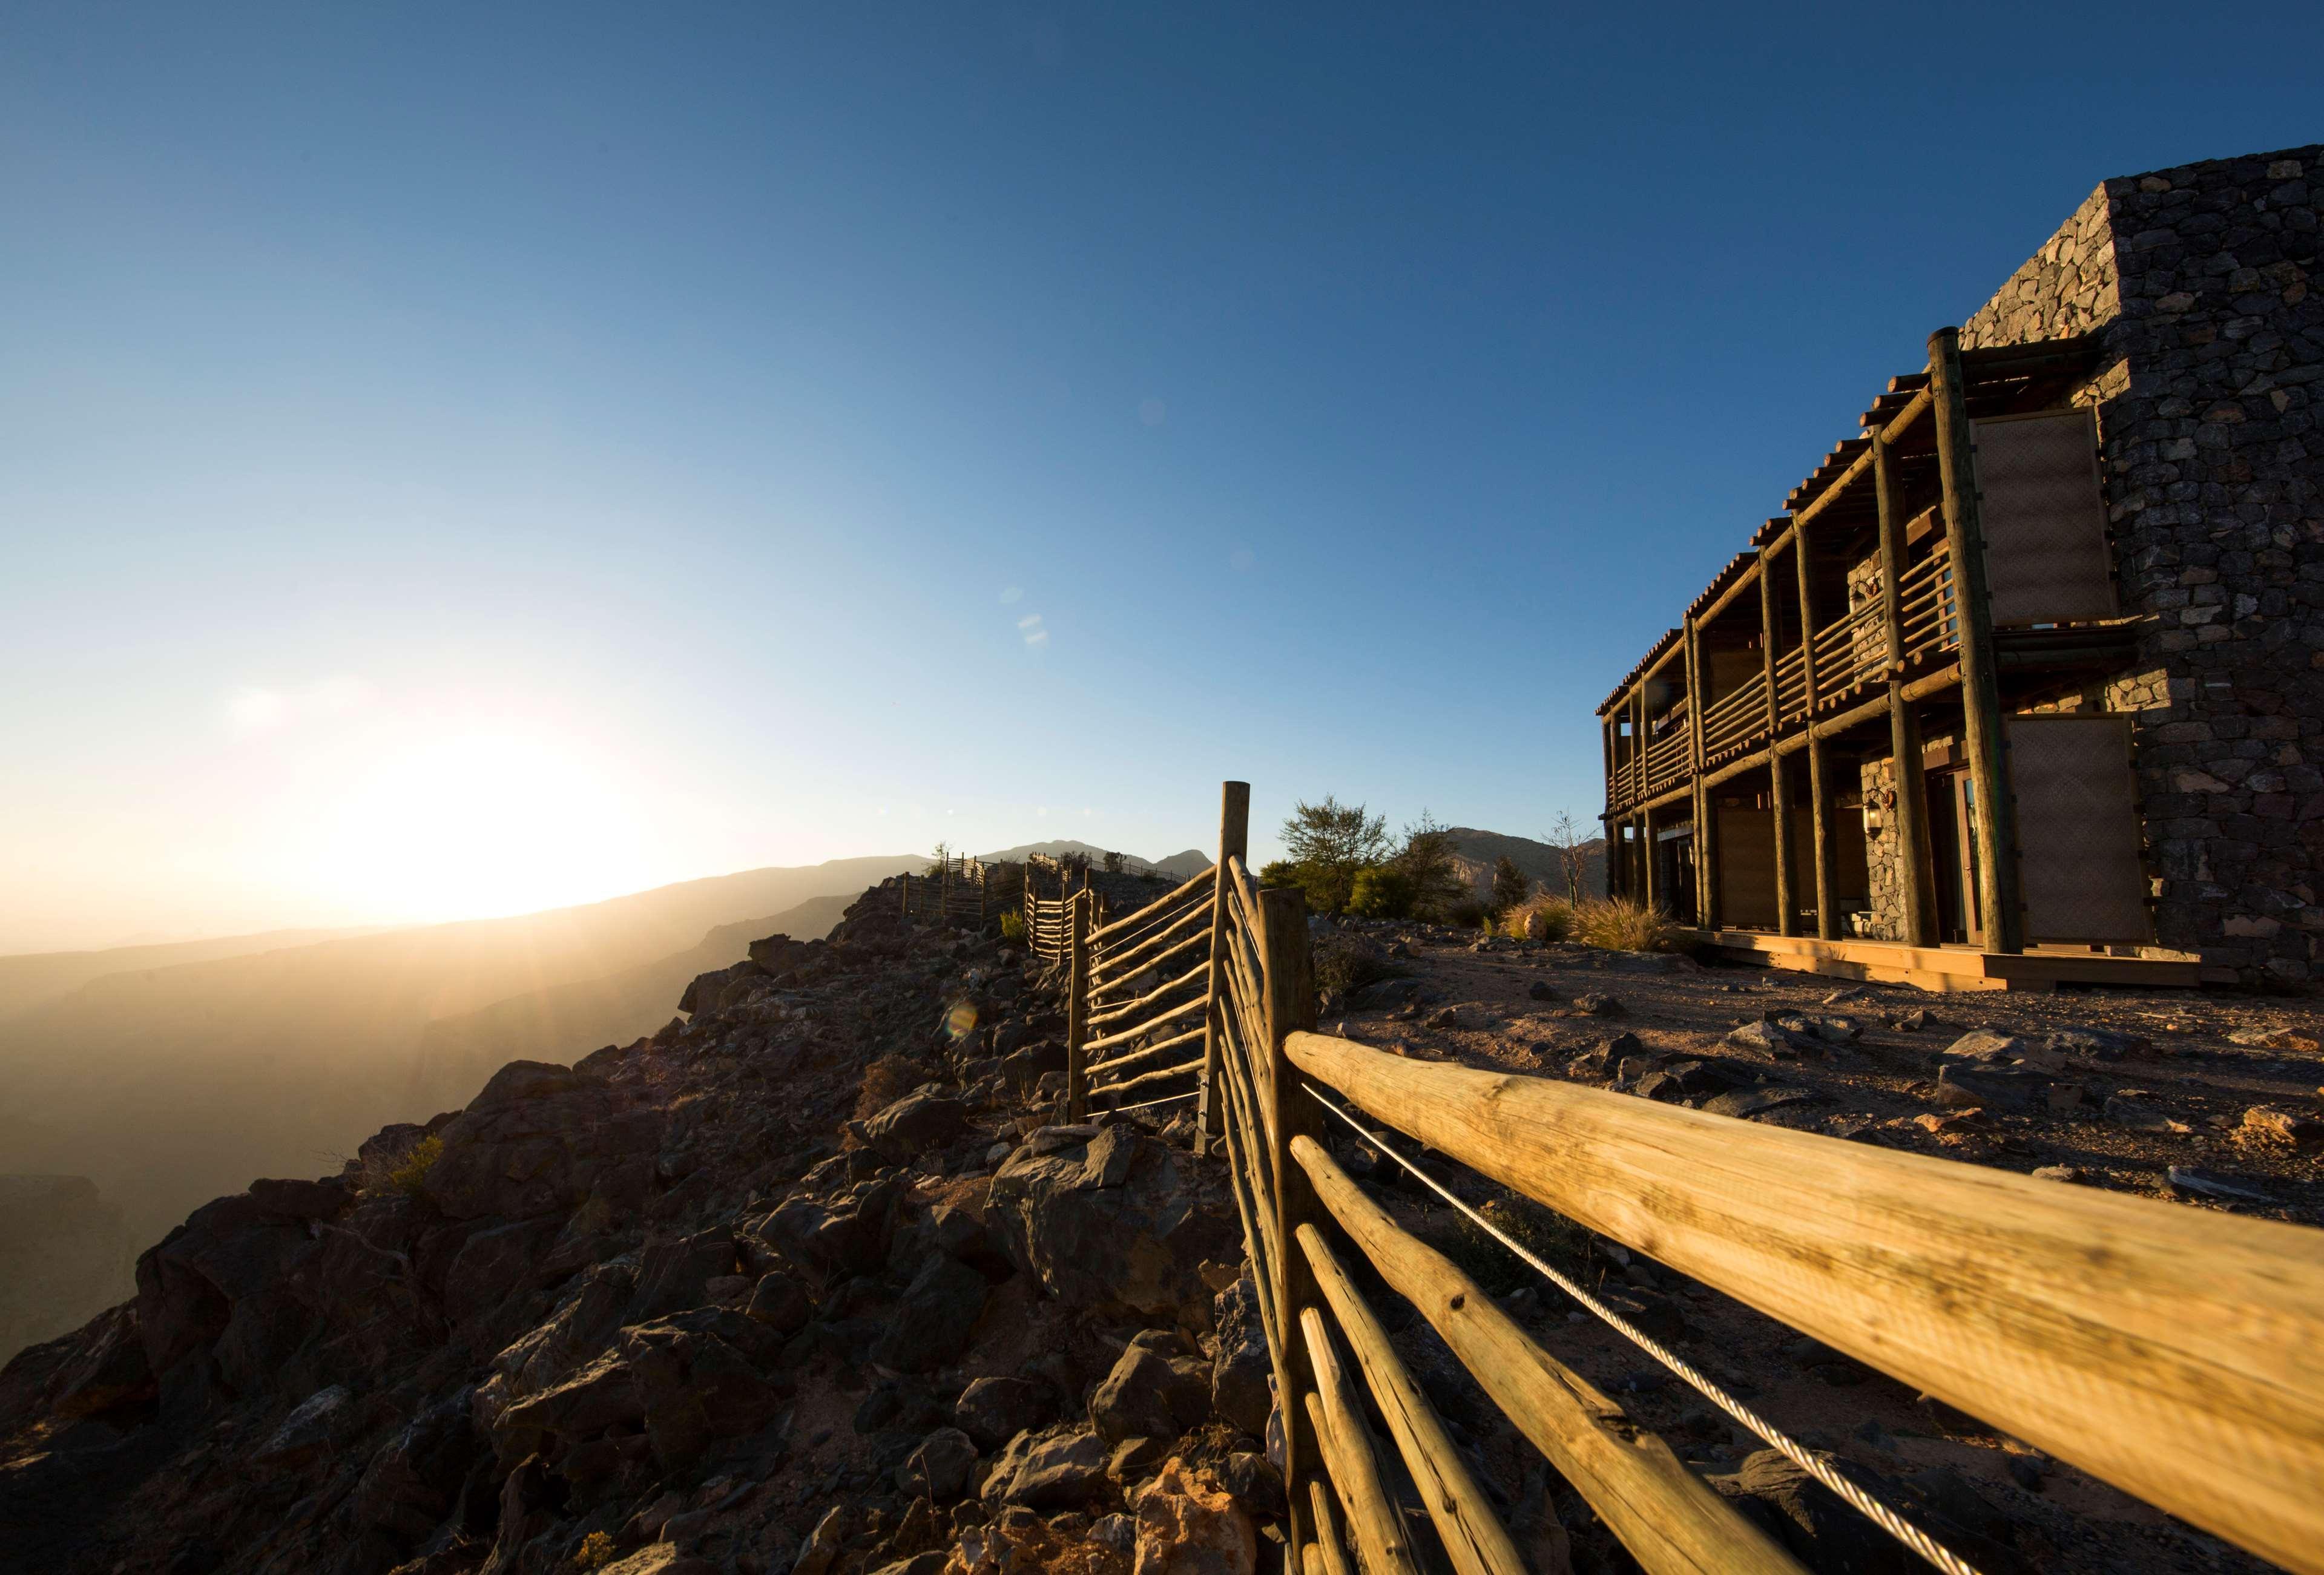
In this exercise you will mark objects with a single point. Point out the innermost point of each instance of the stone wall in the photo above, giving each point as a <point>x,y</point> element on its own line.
<point>2201,279</point>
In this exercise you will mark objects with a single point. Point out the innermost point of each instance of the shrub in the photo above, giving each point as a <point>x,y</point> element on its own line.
<point>1329,843</point>
<point>1469,912</point>
<point>410,1173</point>
<point>1346,963</point>
<point>1541,919</point>
<point>1510,883</point>
<point>1621,924</point>
<point>1439,889</point>
<point>596,1551</point>
<point>1012,927</point>
<point>1382,892</point>
<point>886,1081</point>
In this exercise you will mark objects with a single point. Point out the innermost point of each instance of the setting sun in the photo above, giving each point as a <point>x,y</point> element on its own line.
<point>481,823</point>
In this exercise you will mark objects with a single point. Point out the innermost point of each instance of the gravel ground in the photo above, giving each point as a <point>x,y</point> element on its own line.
<point>2179,1100</point>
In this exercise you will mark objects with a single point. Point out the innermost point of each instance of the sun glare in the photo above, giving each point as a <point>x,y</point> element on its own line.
<point>482,824</point>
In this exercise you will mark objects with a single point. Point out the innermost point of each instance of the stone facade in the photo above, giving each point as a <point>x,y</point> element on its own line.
<point>2201,280</point>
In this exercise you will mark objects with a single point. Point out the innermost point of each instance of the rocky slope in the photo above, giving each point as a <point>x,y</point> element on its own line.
<point>794,1283</point>
<point>810,1282</point>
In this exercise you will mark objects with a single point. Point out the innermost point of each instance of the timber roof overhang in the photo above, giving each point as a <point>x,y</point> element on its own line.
<point>2001,379</point>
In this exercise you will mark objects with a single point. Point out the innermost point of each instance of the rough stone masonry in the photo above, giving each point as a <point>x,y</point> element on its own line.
<point>2200,281</point>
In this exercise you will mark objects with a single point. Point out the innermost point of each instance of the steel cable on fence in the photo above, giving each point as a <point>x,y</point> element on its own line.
<point>1872,1509</point>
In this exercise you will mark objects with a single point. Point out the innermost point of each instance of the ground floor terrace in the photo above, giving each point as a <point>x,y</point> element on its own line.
<point>1880,745</point>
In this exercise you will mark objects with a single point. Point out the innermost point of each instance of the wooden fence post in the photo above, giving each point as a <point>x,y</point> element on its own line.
<point>1290,990</point>
<point>1982,727</point>
<point>1077,1007</point>
<point>1234,842</point>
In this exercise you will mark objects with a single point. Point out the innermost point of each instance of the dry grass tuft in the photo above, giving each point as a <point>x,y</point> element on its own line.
<point>1621,924</point>
<point>1542,919</point>
<point>886,1081</point>
<point>407,1175</point>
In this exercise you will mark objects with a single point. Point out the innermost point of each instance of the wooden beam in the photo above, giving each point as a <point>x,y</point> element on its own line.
<point>1112,968</point>
<point>1919,924</point>
<point>1742,581</point>
<point>1122,926</point>
<point>2003,924</point>
<point>1339,1424</point>
<point>1077,999</point>
<point>1778,793</point>
<point>1475,1541</point>
<point>1234,842</point>
<point>1290,1007</point>
<point>2168,1349</point>
<point>1706,848</point>
<point>1827,877</point>
<point>1668,1518</point>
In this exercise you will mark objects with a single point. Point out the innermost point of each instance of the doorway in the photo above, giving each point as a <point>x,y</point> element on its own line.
<point>1675,883</point>
<point>1952,857</point>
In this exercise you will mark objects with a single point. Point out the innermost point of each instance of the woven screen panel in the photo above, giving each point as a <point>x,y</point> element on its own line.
<point>2045,544</point>
<point>2078,834</point>
<point>1747,868</point>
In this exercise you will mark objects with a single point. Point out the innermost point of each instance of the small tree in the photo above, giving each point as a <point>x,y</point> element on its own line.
<point>1429,861</point>
<point>1114,863</point>
<point>1572,854</point>
<point>942,857</point>
<point>1511,884</point>
<point>1382,891</point>
<point>1328,842</point>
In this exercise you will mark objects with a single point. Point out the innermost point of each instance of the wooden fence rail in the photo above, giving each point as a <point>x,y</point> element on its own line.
<point>2170,1351</point>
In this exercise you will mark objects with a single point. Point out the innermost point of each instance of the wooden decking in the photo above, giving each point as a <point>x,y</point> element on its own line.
<point>1951,968</point>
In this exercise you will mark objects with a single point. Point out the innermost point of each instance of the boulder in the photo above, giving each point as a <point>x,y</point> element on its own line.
<point>696,1384</point>
<point>1022,1070</point>
<point>1685,1080</point>
<point>1063,1467</point>
<point>520,1081</point>
<point>781,1302</point>
<point>1383,994</point>
<point>2126,1109</point>
<point>1598,1004</point>
<point>2271,1124</point>
<point>2015,1089</point>
<point>938,1469</point>
<point>1770,1041</point>
<point>674,1275</point>
<point>1754,1102</point>
<point>1188,1525</point>
<point>992,1411</point>
<point>920,1123</point>
<point>1240,1390</point>
<point>1151,1396</point>
<point>534,1143</point>
<point>493,1266</point>
<point>1107,1222</point>
<point>935,1319</point>
<point>413,1479</point>
<point>312,1430</point>
<point>850,1235</point>
<point>303,1200</point>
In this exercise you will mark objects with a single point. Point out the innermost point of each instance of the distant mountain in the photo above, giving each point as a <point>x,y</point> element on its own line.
<point>167,1085</point>
<point>1180,865</point>
<point>1478,850</point>
<point>567,1021</point>
<point>33,977</point>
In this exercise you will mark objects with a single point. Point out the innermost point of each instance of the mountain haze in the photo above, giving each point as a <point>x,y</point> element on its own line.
<point>167,1085</point>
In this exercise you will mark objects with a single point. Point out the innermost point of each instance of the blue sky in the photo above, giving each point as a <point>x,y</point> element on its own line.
<point>464,459</point>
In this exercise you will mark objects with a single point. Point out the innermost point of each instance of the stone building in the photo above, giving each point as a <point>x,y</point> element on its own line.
<point>2072,568</point>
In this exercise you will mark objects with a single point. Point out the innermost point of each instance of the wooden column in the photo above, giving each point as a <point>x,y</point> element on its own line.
<point>1779,795</point>
<point>1911,819</point>
<point>1827,874</point>
<point>1290,987</point>
<point>1638,744</point>
<point>1648,874</point>
<point>1609,833</point>
<point>1997,855</point>
<point>1706,845</point>
<point>1234,842</point>
<point>1077,915</point>
<point>907,897</point>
